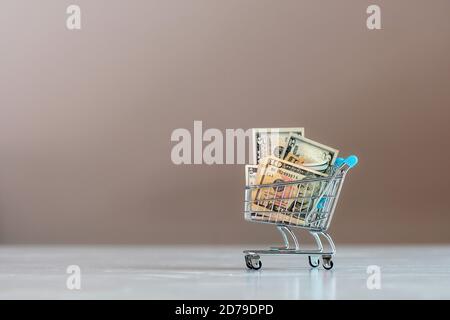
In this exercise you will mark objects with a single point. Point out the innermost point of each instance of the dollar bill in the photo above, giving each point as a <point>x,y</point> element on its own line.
<point>266,142</point>
<point>250,174</point>
<point>278,198</point>
<point>314,155</point>
<point>294,159</point>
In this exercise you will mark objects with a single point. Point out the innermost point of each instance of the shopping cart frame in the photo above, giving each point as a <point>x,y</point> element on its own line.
<point>317,218</point>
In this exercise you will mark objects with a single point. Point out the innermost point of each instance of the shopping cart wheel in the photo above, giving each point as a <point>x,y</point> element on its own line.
<point>313,261</point>
<point>327,263</point>
<point>253,262</point>
<point>248,263</point>
<point>257,265</point>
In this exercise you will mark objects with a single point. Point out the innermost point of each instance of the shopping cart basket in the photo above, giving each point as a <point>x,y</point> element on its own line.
<point>308,204</point>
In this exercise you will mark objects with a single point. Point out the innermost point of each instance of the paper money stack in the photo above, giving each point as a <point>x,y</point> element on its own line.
<point>285,156</point>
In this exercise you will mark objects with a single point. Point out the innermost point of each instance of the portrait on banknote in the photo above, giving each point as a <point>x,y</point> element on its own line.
<point>266,142</point>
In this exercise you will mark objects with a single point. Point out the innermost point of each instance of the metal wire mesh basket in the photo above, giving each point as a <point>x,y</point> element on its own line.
<point>307,204</point>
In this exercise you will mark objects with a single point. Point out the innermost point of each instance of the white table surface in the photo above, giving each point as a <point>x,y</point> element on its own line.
<point>218,272</point>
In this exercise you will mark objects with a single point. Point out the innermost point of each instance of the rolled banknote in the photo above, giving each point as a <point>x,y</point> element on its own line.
<point>315,155</point>
<point>279,198</point>
<point>266,142</point>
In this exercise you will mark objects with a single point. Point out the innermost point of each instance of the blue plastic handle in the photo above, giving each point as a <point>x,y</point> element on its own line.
<point>339,162</point>
<point>351,161</point>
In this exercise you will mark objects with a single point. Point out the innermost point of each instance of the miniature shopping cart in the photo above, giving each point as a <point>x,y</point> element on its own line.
<point>307,204</point>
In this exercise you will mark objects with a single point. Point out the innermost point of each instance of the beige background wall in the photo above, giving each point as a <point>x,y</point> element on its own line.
<point>86,116</point>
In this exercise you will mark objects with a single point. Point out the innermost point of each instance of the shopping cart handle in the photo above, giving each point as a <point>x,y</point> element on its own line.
<point>350,161</point>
